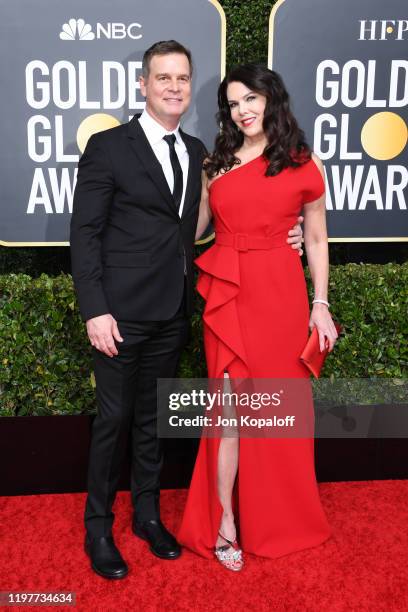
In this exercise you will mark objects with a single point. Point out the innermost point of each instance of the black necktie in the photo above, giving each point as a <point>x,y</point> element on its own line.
<point>177,171</point>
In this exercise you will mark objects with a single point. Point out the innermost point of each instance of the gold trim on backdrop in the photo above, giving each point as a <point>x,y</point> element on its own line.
<point>209,238</point>
<point>223,36</point>
<point>32,244</point>
<point>223,71</point>
<point>271,31</point>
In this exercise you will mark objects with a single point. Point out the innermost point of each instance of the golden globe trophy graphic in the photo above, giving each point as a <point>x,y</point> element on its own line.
<point>384,135</point>
<point>92,124</point>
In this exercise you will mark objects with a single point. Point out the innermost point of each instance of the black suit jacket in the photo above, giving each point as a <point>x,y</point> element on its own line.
<point>127,239</point>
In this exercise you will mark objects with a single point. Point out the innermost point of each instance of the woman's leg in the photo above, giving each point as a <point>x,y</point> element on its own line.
<point>227,470</point>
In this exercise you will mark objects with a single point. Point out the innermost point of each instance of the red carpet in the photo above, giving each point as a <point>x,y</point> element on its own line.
<point>363,567</point>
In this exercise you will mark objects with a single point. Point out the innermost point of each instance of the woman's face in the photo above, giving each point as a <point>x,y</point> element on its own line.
<point>247,108</point>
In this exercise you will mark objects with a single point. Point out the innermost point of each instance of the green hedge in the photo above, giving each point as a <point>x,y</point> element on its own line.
<point>45,355</point>
<point>247,30</point>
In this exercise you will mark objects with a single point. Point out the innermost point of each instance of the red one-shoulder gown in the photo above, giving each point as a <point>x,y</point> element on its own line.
<point>256,325</point>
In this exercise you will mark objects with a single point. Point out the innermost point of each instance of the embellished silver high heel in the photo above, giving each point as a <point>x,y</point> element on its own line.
<point>229,555</point>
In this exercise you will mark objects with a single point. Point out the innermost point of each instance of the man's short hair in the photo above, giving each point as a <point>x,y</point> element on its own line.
<point>164,47</point>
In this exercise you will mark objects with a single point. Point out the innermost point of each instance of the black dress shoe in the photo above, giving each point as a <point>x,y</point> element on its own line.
<point>106,559</point>
<point>162,543</point>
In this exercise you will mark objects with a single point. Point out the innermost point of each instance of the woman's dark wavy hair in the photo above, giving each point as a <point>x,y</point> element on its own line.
<point>286,146</point>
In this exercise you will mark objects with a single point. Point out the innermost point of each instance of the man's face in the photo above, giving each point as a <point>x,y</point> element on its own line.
<point>168,87</point>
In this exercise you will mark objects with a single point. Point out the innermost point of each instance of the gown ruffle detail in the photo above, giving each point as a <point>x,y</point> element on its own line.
<point>219,284</point>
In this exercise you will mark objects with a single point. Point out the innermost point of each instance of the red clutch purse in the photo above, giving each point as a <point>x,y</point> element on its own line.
<point>311,355</point>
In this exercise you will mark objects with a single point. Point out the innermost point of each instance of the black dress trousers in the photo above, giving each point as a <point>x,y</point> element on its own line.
<point>126,390</point>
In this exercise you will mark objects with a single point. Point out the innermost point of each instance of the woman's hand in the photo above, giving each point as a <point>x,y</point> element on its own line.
<point>320,317</point>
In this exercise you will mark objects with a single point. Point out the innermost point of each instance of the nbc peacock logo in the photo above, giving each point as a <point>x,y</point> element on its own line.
<point>76,29</point>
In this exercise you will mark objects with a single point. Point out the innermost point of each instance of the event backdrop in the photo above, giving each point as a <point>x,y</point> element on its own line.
<point>345,65</point>
<point>68,69</point>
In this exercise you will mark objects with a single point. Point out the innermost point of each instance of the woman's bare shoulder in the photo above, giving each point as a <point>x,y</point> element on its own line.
<point>316,159</point>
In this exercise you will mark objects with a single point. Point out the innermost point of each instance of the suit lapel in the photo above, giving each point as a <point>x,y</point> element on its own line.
<point>193,174</point>
<point>140,145</point>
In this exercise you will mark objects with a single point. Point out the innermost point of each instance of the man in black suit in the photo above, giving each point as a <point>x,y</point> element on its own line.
<point>133,227</point>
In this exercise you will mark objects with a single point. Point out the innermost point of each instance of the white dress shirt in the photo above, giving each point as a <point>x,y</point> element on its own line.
<point>154,134</point>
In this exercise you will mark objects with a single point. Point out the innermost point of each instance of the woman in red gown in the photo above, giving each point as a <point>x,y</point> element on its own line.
<point>256,318</point>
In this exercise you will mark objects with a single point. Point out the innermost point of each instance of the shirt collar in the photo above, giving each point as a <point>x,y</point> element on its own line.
<point>155,132</point>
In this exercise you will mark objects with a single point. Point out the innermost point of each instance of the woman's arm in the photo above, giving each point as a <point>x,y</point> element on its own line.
<point>204,215</point>
<point>317,251</point>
